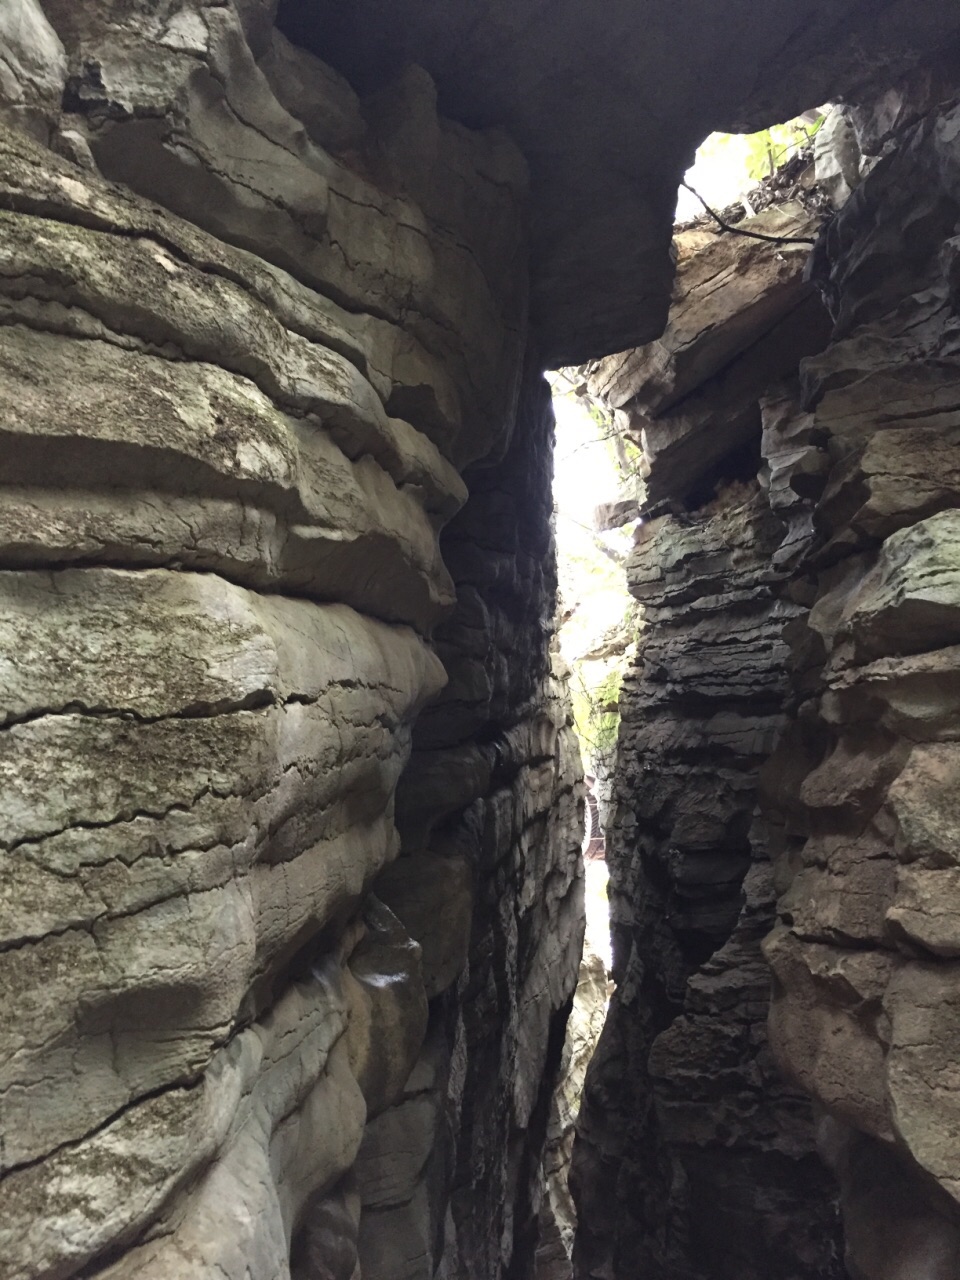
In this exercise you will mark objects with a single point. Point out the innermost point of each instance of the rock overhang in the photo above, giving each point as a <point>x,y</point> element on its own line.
<point>608,104</point>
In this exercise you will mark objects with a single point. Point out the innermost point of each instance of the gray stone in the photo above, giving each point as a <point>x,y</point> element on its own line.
<point>278,591</point>
<point>837,156</point>
<point>33,68</point>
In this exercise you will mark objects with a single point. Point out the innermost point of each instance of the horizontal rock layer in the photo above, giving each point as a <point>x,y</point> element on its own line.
<point>287,953</point>
<point>863,954</point>
<point>693,1157</point>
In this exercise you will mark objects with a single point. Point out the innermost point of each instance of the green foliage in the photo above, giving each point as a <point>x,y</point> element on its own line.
<point>761,154</point>
<point>769,149</point>
<point>595,693</point>
<point>594,603</point>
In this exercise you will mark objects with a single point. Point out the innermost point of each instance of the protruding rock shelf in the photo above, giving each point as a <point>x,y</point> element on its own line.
<point>694,1156</point>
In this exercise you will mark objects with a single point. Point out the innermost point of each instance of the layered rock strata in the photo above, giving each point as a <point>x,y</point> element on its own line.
<point>694,1158</point>
<point>785,757</point>
<point>253,332</point>
<point>286,956</point>
<point>863,787</point>
<point>490,877</point>
<point>609,104</point>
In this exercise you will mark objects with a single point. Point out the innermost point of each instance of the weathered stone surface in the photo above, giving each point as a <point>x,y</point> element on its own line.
<point>865,951</point>
<point>741,318</point>
<point>191,121</point>
<point>837,156</point>
<point>609,104</point>
<point>33,68</point>
<point>558,1217</point>
<point>240,389</point>
<point>311,91</point>
<point>263,328</point>
<point>856,838</point>
<point>494,781</point>
<point>434,899</point>
<point>693,1158</point>
<point>726,297</point>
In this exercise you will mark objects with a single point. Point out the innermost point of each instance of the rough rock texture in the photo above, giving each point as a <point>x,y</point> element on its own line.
<point>242,379</point>
<point>609,102</point>
<point>786,754</point>
<point>286,955</point>
<point>490,816</point>
<point>741,319</point>
<point>33,69</point>
<point>558,1218</point>
<point>864,786</point>
<point>694,1158</point>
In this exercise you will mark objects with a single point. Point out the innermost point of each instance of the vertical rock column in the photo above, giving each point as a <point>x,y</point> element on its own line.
<point>252,332</point>
<point>694,1158</point>
<point>865,954</point>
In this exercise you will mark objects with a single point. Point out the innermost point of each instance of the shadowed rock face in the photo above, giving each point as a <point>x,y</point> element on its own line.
<point>291,903</point>
<point>786,752</point>
<point>694,1157</point>
<point>608,103</point>
<point>864,955</point>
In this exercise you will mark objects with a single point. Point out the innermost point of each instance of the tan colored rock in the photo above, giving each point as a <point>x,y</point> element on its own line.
<point>926,909</point>
<point>865,954</point>
<point>911,601</point>
<point>726,296</point>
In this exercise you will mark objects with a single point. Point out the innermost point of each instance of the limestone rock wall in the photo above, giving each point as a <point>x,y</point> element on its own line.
<point>254,333</point>
<point>694,1158</point>
<point>490,877</point>
<point>863,787</point>
<point>785,761</point>
<point>291,902</point>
